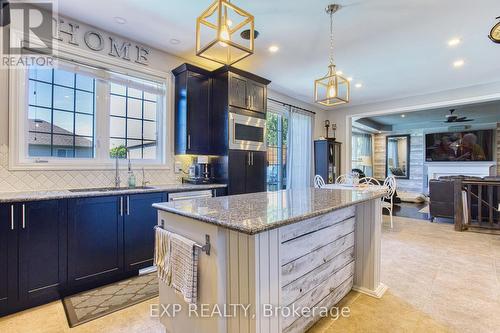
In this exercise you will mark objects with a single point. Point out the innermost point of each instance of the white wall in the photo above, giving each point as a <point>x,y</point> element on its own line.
<point>46,180</point>
<point>342,116</point>
<point>319,117</point>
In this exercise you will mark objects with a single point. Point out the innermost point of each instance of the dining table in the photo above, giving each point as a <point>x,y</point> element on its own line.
<point>356,187</point>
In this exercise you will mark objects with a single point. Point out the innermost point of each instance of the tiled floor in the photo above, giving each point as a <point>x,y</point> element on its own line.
<point>439,281</point>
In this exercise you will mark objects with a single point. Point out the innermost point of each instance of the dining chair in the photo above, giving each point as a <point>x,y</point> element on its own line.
<point>390,186</point>
<point>370,181</point>
<point>319,182</point>
<point>342,179</point>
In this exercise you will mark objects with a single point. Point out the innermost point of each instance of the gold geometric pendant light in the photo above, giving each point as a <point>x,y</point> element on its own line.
<point>218,33</point>
<point>332,89</point>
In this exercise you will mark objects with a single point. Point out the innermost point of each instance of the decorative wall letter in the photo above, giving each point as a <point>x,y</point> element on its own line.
<point>122,52</point>
<point>71,33</point>
<point>87,38</point>
<point>142,55</point>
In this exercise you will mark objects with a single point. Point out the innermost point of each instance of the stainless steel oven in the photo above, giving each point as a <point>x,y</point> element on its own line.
<point>247,133</point>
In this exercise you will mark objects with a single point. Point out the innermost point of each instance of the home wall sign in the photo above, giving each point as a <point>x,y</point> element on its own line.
<point>69,32</point>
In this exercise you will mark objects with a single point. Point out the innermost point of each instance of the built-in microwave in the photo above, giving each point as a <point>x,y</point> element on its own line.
<point>247,133</point>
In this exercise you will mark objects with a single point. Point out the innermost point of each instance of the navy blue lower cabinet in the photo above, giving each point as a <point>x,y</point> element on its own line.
<point>42,233</point>
<point>139,219</point>
<point>95,240</point>
<point>219,192</point>
<point>8,258</point>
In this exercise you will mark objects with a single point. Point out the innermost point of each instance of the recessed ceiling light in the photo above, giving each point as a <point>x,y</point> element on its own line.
<point>273,48</point>
<point>358,85</point>
<point>458,63</point>
<point>402,116</point>
<point>349,79</point>
<point>120,20</point>
<point>175,41</point>
<point>454,41</point>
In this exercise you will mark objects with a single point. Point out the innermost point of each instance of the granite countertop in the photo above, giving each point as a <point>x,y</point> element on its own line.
<point>258,212</point>
<point>6,197</point>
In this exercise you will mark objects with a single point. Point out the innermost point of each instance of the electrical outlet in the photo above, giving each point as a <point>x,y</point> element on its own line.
<point>177,167</point>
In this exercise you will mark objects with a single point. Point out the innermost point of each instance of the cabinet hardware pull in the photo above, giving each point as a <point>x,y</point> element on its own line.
<point>128,204</point>
<point>249,158</point>
<point>121,206</point>
<point>11,217</point>
<point>189,141</point>
<point>251,102</point>
<point>24,216</point>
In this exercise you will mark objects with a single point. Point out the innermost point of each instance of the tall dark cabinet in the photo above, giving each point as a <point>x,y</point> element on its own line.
<point>204,100</point>
<point>327,159</point>
<point>242,93</point>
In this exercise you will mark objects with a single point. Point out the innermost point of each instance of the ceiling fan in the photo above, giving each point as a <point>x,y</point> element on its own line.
<point>452,118</point>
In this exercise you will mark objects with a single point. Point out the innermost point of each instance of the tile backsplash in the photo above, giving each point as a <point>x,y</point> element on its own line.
<point>41,180</point>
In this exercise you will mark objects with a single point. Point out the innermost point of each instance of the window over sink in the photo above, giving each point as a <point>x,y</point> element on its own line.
<point>76,116</point>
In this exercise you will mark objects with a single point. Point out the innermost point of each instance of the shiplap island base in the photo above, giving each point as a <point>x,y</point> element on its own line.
<point>273,256</point>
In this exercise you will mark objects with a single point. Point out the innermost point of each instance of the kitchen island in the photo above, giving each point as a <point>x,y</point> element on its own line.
<point>272,253</point>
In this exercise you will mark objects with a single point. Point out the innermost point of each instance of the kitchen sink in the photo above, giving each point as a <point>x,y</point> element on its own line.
<point>111,189</point>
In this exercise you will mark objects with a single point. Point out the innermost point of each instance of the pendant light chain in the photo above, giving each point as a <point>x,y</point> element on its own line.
<point>331,37</point>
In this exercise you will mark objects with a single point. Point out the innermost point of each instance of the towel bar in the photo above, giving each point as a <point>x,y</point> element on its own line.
<point>205,248</point>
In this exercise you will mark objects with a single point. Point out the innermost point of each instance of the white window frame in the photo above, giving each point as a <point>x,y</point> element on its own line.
<point>18,117</point>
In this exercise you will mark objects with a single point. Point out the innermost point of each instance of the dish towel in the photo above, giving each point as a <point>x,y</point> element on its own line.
<point>176,258</point>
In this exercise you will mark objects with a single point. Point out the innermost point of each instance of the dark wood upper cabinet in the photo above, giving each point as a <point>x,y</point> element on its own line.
<point>239,91</point>
<point>192,110</point>
<point>203,100</point>
<point>258,97</point>
<point>247,92</point>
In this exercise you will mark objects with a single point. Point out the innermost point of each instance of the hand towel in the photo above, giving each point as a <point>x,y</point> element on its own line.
<point>177,260</point>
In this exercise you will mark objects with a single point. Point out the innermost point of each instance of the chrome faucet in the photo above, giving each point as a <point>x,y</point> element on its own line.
<point>117,172</point>
<point>144,181</point>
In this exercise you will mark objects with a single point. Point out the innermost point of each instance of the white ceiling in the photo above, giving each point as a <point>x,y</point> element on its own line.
<point>481,113</point>
<point>395,48</point>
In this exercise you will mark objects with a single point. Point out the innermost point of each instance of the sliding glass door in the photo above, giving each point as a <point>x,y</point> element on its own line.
<point>277,129</point>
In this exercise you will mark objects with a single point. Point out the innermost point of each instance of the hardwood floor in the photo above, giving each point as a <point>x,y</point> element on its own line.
<point>412,210</point>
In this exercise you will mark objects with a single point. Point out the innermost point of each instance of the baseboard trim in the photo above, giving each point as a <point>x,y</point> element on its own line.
<point>377,293</point>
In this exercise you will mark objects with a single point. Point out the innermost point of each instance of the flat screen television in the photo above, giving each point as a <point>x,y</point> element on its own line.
<point>459,146</point>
